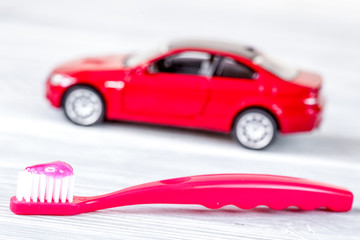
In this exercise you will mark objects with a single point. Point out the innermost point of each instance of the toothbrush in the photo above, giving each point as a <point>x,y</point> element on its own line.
<point>48,189</point>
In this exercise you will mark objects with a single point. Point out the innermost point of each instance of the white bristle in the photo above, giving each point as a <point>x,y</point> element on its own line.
<point>49,188</point>
<point>35,187</point>
<point>19,188</point>
<point>21,185</point>
<point>64,189</point>
<point>39,187</point>
<point>70,194</point>
<point>57,189</point>
<point>27,186</point>
<point>42,187</point>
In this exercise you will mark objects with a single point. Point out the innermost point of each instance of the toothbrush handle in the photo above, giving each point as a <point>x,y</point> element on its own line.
<point>217,190</point>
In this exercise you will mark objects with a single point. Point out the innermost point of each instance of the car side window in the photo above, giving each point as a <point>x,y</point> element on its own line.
<point>231,68</point>
<point>189,62</point>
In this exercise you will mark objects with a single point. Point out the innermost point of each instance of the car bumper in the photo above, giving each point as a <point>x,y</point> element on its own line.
<point>307,119</point>
<point>54,94</point>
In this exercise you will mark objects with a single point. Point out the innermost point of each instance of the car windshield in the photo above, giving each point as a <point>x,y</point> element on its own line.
<point>144,56</point>
<point>282,71</point>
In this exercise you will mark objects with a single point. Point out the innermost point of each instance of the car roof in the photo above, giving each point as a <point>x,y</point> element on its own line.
<point>235,48</point>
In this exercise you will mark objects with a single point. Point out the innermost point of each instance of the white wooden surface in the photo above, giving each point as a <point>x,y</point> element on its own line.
<point>37,35</point>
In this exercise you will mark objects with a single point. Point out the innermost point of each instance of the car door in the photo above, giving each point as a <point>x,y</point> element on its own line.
<point>176,86</point>
<point>234,85</point>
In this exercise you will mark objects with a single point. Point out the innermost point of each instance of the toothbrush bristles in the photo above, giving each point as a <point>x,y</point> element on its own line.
<point>32,187</point>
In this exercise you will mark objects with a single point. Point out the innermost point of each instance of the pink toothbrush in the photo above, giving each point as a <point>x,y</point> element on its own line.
<point>48,189</point>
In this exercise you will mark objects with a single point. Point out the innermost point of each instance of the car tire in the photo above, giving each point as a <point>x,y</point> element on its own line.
<point>83,106</point>
<point>255,129</point>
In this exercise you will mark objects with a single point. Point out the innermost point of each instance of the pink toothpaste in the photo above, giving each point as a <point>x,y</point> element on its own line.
<point>53,169</point>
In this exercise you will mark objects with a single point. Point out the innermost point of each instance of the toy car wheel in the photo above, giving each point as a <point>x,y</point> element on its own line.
<point>83,106</point>
<point>255,129</point>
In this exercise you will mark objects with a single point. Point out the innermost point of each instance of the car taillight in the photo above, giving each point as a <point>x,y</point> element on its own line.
<point>312,99</point>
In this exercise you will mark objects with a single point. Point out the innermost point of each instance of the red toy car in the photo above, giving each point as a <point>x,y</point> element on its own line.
<point>210,85</point>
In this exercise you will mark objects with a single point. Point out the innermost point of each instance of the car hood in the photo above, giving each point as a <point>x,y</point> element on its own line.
<point>308,79</point>
<point>103,63</point>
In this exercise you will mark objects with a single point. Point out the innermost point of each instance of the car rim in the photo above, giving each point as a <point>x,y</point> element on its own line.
<point>254,130</point>
<point>83,106</point>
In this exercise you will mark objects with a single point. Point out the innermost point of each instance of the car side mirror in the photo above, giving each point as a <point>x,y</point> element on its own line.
<point>151,69</point>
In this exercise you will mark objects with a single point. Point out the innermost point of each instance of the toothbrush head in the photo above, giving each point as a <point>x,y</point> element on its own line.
<point>49,182</point>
